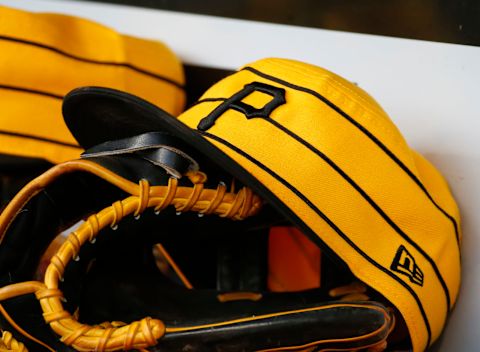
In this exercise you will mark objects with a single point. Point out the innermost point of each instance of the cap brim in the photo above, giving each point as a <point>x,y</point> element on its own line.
<point>95,115</point>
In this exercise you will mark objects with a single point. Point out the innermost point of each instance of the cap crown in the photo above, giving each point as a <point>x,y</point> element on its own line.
<point>327,150</point>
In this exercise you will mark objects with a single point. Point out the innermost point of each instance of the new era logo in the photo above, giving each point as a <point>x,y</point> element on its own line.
<point>404,263</point>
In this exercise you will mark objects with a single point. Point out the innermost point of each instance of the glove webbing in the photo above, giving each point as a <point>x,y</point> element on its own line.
<point>146,332</point>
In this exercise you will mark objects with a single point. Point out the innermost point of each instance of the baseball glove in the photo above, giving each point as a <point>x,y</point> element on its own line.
<point>202,233</point>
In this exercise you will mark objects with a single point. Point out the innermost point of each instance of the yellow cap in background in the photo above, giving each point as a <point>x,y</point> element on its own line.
<point>44,56</point>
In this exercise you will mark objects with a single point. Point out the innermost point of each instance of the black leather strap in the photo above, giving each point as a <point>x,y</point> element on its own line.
<point>155,147</point>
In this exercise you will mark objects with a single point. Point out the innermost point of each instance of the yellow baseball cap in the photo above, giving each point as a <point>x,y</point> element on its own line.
<point>44,56</point>
<point>324,154</point>
<point>324,148</point>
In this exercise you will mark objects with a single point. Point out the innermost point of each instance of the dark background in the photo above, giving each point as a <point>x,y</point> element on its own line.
<point>449,21</point>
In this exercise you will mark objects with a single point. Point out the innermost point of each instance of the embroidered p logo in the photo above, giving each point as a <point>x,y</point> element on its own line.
<point>404,263</point>
<point>235,103</point>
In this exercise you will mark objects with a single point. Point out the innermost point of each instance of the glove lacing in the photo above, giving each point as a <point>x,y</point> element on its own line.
<point>9,344</point>
<point>144,333</point>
